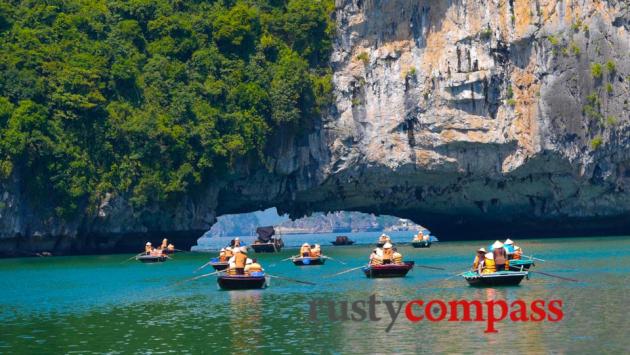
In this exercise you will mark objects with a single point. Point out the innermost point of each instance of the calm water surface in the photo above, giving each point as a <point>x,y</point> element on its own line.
<point>102,304</point>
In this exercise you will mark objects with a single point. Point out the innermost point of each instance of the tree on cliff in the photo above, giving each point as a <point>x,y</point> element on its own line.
<point>151,98</point>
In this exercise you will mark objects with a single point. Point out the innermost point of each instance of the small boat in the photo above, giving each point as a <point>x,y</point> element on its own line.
<point>342,240</point>
<point>265,242</point>
<point>308,260</point>
<point>218,265</point>
<point>388,270</point>
<point>151,258</point>
<point>499,278</point>
<point>421,243</point>
<point>241,282</point>
<point>521,264</point>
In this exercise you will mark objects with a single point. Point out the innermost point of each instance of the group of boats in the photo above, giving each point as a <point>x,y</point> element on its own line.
<point>385,261</point>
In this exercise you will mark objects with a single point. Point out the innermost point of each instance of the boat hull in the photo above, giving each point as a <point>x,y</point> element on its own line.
<point>501,278</point>
<point>220,266</point>
<point>166,251</point>
<point>241,282</point>
<point>308,261</point>
<point>265,248</point>
<point>421,244</point>
<point>525,264</point>
<point>388,270</point>
<point>350,242</point>
<point>149,259</point>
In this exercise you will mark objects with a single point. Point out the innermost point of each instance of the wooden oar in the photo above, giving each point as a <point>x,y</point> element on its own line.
<point>135,256</point>
<point>556,276</point>
<point>292,280</point>
<point>291,257</point>
<point>198,277</point>
<point>430,267</point>
<point>339,261</point>
<point>531,257</point>
<point>343,272</point>
<point>202,266</point>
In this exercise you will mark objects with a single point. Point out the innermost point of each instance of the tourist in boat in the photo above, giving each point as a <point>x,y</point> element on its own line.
<point>305,250</point>
<point>518,253</point>
<point>376,257</point>
<point>239,260</point>
<point>170,247</point>
<point>156,252</point>
<point>252,266</point>
<point>487,265</point>
<point>418,236</point>
<point>500,256</point>
<point>388,253</point>
<point>479,257</point>
<point>508,245</point>
<point>148,248</point>
<point>384,238</point>
<point>316,251</point>
<point>229,252</point>
<point>235,243</point>
<point>164,244</point>
<point>222,256</point>
<point>396,256</point>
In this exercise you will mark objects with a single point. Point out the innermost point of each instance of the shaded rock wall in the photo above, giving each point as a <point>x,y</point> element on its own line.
<point>473,118</point>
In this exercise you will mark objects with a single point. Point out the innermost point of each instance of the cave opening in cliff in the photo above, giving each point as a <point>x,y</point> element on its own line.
<point>295,231</point>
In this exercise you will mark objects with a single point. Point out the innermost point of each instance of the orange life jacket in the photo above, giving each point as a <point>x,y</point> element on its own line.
<point>305,249</point>
<point>229,254</point>
<point>239,260</point>
<point>517,255</point>
<point>388,254</point>
<point>253,267</point>
<point>222,257</point>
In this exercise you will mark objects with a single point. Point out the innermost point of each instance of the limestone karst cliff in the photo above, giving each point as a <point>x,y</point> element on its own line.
<point>472,118</point>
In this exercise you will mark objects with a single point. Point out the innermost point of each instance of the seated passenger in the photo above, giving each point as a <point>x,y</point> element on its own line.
<point>479,258</point>
<point>305,250</point>
<point>487,265</point>
<point>252,267</point>
<point>316,251</point>
<point>376,257</point>
<point>388,253</point>
<point>397,257</point>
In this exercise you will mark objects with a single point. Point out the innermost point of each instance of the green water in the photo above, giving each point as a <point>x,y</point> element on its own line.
<point>98,304</point>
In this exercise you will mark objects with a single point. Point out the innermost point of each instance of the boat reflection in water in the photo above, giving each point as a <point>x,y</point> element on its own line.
<point>245,321</point>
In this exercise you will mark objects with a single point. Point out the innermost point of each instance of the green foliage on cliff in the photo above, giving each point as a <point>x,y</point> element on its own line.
<point>152,98</point>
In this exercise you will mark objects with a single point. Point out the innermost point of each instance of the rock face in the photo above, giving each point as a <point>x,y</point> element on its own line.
<point>472,118</point>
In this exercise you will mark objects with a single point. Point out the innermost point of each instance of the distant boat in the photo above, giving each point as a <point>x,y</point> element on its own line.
<point>265,242</point>
<point>499,278</point>
<point>307,260</point>
<point>421,243</point>
<point>219,265</point>
<point>241,282</point>
<point>342,240</point>
<point>151,258</point>
<point>388,270</point>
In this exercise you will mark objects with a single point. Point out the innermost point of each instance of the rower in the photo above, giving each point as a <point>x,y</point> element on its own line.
<point>487,265</point>
<point>384,238</point>
<point>170,247</point>
<point>222,257</point>
<point>156,252</point>
<point>148,248</point>
<point>397,257</point>
<point>388,253</point>
<point>239,260</point>
<point>236,242</point>
<point>479,257</point>
<point>376,258</point>
<point>252,267</point>
<point>316,251</point>
<point>508,245</point>
<point>164,243</point>
<point>500,256</point>
<point>305,250</point>
<point>419,236</point>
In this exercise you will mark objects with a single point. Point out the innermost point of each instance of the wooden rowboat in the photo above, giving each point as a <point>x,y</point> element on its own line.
<point>499,278</point>
<point>307,260</point>
<point>241,282</point>
<point>388,270</point>
<point>421,244</point>
<point>521,264</point>
<point>342,240</point>
<point>151,258</point>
